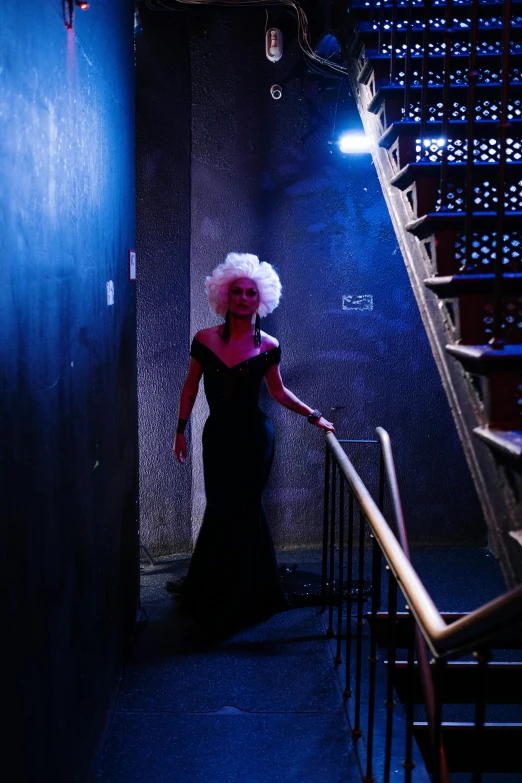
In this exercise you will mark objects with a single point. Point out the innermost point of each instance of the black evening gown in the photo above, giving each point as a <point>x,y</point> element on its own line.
<point>233,577</point>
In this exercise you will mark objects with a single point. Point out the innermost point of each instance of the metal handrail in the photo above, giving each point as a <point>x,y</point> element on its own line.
<point>469,632</point>
<point>393,487</point>
<point>427,684</point>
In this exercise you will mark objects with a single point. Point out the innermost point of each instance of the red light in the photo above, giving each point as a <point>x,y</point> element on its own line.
<point>83,6</point>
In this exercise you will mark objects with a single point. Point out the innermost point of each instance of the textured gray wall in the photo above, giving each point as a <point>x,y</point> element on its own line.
<point>163,245</point>
<point>266,180</point>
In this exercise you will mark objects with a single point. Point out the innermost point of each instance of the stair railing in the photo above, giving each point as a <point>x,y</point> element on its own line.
<point>387,468</point>
<point>474,632</point>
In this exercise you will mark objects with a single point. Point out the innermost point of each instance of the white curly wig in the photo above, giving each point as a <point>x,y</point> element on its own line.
<point>238,265</point>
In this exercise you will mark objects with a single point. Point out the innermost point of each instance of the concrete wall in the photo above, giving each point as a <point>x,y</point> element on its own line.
<point>68,419</point>
<point>163,122</point>
<point>266,179</point>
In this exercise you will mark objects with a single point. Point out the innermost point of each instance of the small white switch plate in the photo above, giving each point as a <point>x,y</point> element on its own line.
<point>110,292</point>
<point>132,265</point>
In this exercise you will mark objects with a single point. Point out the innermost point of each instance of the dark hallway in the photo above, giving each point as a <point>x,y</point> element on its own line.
<point>159,133</point>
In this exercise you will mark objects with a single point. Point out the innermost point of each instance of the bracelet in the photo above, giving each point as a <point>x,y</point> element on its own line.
<point>314,416</point>
<point>182,423</point>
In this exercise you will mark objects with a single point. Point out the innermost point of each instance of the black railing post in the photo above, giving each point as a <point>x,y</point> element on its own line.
<point>448,39</point>
<point>325,525</point>
<point>376,602</point>
<point>338,657</point>
<point>380,42</point>
<point>407,64</point>
<point>390,671</point>
<point>357,732</point>
<point>482,657</point>
<point>408,762</point>
<point>497,341</point>
<point>393,44</point>
<point>425,73</point>
<point>472,80</point>
<point>330,631</point>
<point>349,597</point>
<point>438,743</point>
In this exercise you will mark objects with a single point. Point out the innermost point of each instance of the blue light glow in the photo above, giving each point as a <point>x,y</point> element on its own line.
<point>351,143</point>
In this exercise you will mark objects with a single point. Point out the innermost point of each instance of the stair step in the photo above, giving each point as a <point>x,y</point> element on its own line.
<point>482,171</point>
<point>421,183</point>
<point>378,65</point>
<point>458,129</point>
<point>508,443</point>
<point>394,94</point>
<point>488,9</point>
<point>447,220</point>
<point>453,286</point>
<point>511,640</point>
<point>365,42</point>
<point>499,745</point>
<point>459,683</point>
<point>502,370</point>
<point>485,31</point>
<point>484,360</point>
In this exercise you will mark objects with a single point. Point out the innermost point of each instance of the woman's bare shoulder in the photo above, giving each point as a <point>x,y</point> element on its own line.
<point>207,336</point>
<point>269,342</point>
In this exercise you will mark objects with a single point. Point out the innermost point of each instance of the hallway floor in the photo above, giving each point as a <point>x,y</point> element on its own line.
<point>262,706</point>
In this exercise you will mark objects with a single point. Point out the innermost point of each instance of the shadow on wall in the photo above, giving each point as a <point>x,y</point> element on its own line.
<point>266,179</point>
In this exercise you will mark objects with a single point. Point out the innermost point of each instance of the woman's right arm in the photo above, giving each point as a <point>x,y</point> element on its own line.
<point>187,399</point>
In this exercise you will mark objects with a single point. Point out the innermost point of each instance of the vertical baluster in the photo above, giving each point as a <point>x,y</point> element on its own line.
<point>497,341</point>
<point>338,658</point>
<point>472,79</point>
<point>448,40</point>
<point>325,525</point>
<point>407,64</point>
<point>438,744</point>
<point>425,72</point>
<point>376,603</point>
<point>390,671</point>
<point>349,582</point>
<point>393,43</point>
<point>482,657</point>
<point>330,631</point>
<point>408,762</point>
<point>360,624</point>
<point>380,40</point>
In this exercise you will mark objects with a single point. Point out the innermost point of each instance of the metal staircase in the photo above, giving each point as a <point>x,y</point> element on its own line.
<point>431,697</point>
<point>439,89</point>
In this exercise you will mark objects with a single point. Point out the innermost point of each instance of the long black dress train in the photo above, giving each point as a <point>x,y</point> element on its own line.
<point>233,575</point>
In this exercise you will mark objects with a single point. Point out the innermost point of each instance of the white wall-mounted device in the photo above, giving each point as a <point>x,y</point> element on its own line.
<point>274,44</point>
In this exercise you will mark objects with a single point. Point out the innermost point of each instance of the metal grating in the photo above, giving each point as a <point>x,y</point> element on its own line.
<point>484,248</point>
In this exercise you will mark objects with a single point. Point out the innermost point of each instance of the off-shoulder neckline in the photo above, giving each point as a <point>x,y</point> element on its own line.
<point>233,366</point>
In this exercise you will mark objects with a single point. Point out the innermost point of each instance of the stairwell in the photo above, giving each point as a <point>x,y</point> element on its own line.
<point>434,81</point>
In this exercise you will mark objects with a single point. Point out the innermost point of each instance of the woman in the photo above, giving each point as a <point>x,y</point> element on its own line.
<point>233,575</point>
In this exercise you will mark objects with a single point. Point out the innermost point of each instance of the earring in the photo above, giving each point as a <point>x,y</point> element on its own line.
<point>257,331</point>
<point>226,328</point>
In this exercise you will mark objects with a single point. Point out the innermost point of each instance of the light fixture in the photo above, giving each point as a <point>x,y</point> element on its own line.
<point>68,11</point>
<point>352,143</point>
<point>274,44</point>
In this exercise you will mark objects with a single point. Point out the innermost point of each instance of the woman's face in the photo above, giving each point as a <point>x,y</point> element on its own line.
<point>243,298</point>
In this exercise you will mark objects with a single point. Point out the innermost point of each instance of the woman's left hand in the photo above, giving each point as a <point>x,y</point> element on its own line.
<point>325,425</point>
